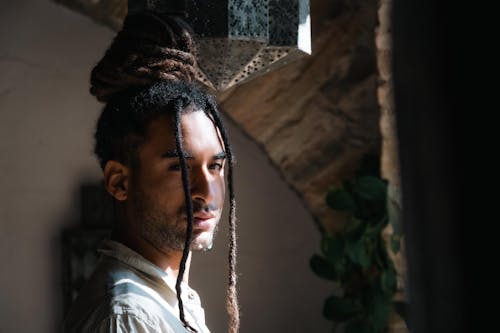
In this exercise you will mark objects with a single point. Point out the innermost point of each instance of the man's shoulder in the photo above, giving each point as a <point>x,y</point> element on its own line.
<point>125,312</point>
<point>119,296</point>
<point>135,312</point>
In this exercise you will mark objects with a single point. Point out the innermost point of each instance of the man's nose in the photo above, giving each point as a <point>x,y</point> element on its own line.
<point>202,186</point>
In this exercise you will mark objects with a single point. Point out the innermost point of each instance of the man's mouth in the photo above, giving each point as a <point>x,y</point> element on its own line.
<point>203,221</point>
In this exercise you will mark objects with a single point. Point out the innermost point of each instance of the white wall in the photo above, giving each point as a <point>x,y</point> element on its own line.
<point>47,118</point>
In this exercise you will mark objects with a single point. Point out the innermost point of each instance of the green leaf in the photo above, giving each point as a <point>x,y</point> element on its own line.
<point>323,268</point>
<point>388,281</point>
<point>332,247</point>
<point>380,315</point>
<point>374,232</point>
<point>358,252</point>
<point>340,309</point>
<point>382,223</point>
<point>371,189</point>
<point>341,200</point>
<point>358,325</point>
<point>354,229</point>
<point>395,243</point>
<point>379,261</point>
<point>342,266</point>
<point>394,209</point>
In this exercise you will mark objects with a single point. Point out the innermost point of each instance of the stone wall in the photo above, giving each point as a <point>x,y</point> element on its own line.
<point>316,117</point>
<point>390,159</point>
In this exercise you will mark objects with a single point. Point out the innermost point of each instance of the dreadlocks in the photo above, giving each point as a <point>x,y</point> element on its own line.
<point>147,72</point>
<point>149,48</point>
<point>232,296</point>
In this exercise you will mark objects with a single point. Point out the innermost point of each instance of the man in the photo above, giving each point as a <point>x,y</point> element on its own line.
<point>163,151</point>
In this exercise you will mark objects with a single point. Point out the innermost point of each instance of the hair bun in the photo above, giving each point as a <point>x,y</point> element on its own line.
<point>150,47</point>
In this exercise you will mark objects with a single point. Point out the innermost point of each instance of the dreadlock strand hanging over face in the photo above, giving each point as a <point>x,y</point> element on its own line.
<point>189,211</point>
<point>232,295</point>
<point>149,70</point>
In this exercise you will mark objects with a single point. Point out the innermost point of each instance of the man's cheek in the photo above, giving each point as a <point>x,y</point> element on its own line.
<point>221,191</point>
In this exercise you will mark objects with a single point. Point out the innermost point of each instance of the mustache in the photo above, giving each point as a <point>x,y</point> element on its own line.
<point>204,207</point>
<point>199,206</point>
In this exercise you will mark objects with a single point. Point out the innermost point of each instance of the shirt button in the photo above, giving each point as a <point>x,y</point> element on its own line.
<point>191,295</point>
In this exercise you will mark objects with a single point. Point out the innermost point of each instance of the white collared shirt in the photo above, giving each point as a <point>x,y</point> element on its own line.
<point>127,293</point>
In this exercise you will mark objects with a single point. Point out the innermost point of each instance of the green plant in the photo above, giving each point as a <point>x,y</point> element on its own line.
<point>356,257</point>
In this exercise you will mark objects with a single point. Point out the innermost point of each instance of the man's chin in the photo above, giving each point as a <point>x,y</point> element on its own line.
<point>202,241</point>
<point>199,245</point>
<point>201,248</point>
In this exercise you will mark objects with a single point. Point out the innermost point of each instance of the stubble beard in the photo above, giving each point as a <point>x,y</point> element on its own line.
<point>162,230</point>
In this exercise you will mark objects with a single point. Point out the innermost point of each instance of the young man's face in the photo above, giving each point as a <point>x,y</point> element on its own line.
<point>157,206</point>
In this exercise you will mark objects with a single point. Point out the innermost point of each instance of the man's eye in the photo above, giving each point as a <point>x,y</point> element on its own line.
<point>216,166</point>
<point>175,167</point>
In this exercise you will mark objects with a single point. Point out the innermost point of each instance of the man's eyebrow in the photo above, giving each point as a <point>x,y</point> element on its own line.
<point>220,156</point>
<point>171,153</point>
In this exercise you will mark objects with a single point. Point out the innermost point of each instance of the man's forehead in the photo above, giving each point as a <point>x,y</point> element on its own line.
<point>166,122</point>
<point>196,125</point>
<point>173,153</point>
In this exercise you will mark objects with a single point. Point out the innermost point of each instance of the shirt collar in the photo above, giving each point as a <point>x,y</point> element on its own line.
<point>128,256</point>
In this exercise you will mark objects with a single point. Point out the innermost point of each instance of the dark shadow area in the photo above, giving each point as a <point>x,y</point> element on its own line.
<point>79,244</point>
<point>430,97</point>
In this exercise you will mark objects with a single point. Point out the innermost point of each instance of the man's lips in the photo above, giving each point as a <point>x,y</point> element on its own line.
<point>204,216</point>
<point>203,221</point>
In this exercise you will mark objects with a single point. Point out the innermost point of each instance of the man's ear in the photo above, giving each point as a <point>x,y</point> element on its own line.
<point>116,179</point>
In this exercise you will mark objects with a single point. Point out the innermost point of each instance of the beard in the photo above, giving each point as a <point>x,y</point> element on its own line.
<point>166,231</point>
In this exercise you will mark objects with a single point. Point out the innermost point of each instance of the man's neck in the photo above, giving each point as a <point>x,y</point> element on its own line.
<point>168,260</point>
